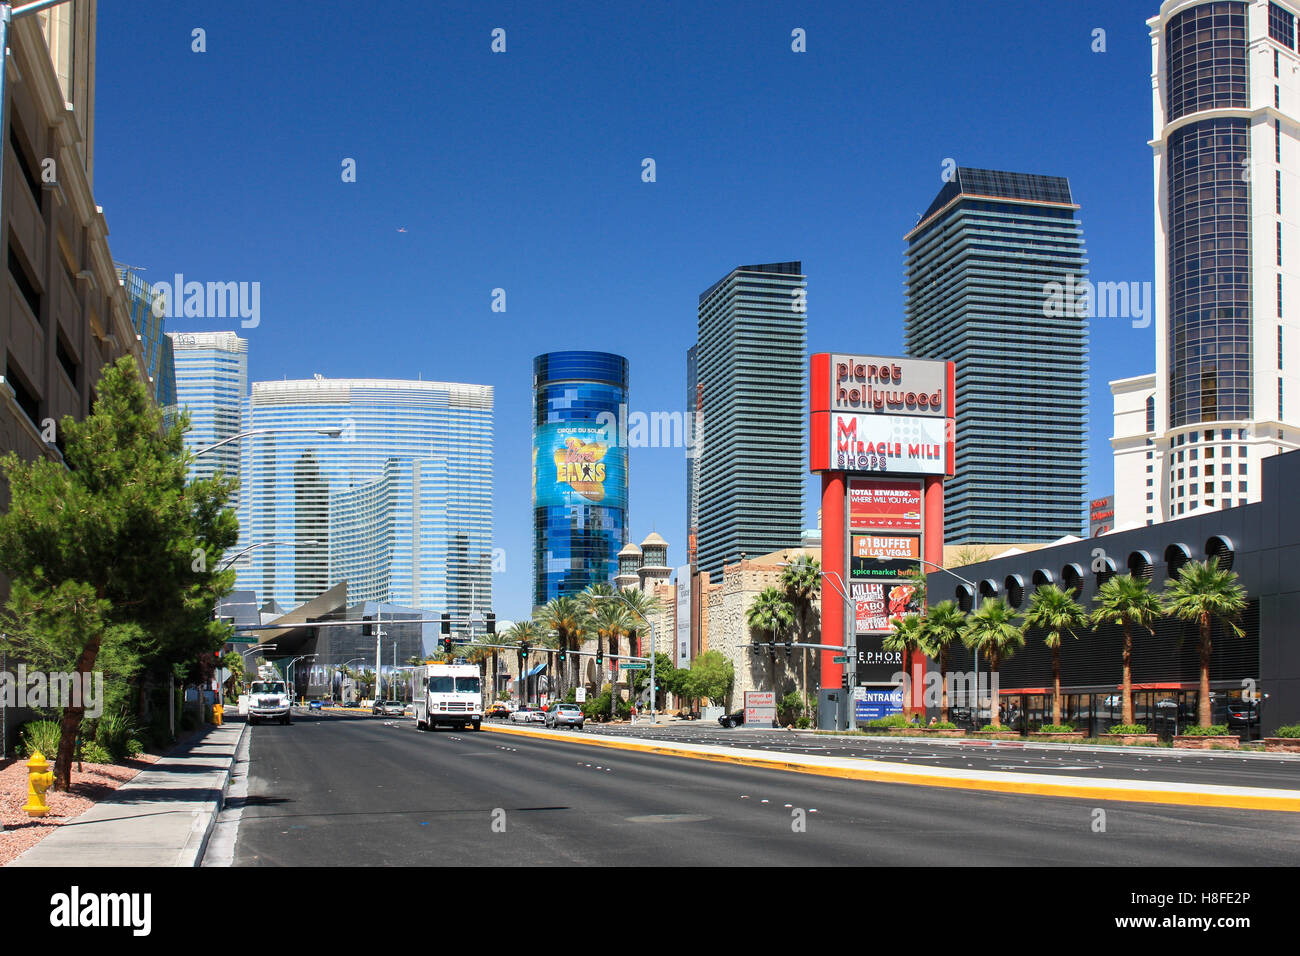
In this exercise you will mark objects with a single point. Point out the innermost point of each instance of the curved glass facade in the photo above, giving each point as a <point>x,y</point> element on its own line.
<point>1206,50</point>
<point>579,473</point>
<point>399,505</point>
<point>1209,271</point>
<point>1209,217</point>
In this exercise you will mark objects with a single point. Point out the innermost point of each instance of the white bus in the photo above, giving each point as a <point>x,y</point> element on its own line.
<point>450,694</point>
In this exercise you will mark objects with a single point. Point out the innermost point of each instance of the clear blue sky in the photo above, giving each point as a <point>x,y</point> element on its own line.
<point>522,171</point>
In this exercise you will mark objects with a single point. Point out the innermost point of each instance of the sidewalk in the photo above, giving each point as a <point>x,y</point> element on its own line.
<point>162,817</point>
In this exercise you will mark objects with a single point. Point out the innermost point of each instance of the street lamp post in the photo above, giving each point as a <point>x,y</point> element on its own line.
<point>651,625</point>
<point>330,432</point>
<point>974,593</point>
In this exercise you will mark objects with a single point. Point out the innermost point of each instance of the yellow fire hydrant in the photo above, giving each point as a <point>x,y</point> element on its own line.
<point>39,779</point>
<point>218,709</point>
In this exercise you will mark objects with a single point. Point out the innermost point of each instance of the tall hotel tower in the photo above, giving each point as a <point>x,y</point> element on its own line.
<point>751,366</point>
<point>982,264</point>
<point>1225,81</point>
<point>212,384</point>
<point>579,471</point>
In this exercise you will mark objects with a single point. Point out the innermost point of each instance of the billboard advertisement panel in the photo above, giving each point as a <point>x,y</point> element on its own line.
<point>684,583</point>
<point>878,557</point>
<point>576,464</point>
<point>883,505</point>
<point>890,386</point>
<point>873,703</point>
<point>875,664</point>
<point>1101,515</point>
<point>879,602</point>
<point>760,708</point>
<point>893,443</point>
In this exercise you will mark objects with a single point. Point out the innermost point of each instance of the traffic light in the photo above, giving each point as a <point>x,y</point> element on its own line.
<point>367,630</point>
<point>600,657</point>
<point>788,649</point>
<point>446,622</point>
<point>844,679</point>
<point>490,622</point>
<point>564,654</point>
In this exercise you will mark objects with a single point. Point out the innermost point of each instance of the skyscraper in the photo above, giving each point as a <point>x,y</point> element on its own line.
<point>983,265</point>
<point>579,471</point>
<point>160,361</point>
<point>751,362</point>
<point>399,505</point>
<point>1226,121</point>
<point>212,383</point>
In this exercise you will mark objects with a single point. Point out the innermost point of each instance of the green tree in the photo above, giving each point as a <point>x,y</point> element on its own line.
<point>1128,602</point>
<point>116,545</point>
<point>992,630</point>
<point>711,677</point>
<point>942,625</point>
<point>1055,613</point>
<point>1203,595</point>
<point>771,616</point>
<point>644,607</point>
<point>609,619</point>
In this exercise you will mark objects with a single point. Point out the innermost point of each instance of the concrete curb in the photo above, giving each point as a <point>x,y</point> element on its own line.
<point>880,771</point>
<point>213,812</point>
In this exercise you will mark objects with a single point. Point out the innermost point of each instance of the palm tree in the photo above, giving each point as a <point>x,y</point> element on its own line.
<point>1055,612</point>
<point>1126,601</point>
<point>610,619</point>
<point>521,632</point>
<point>644,605</point>
<point>802,583</point>
<point>943,624</point>
<point>992,630</point>
<point>772,615</point>
<point>907,636</point>
<point>567,617</point>
<point>1204,594</point>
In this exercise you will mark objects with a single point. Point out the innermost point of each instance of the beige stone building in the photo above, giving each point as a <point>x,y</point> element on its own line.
<point>65,314</point>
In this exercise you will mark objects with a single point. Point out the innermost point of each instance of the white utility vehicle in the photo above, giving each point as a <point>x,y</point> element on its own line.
<point>269,698</point>
<point>450,694</point>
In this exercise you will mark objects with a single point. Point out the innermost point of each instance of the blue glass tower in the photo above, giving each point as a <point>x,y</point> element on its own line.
<point>579,471</point>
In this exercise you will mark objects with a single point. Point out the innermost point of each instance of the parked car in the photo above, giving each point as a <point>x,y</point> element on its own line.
<point>732,720</point>
<point>388,707</point>
<point>316,705</point>
<point>498,711</point>
<point>528,715</point>
<point>570,715</point>
<point>1243,717</point>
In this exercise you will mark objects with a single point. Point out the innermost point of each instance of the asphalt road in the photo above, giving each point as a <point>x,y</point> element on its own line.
<point>362,791</point>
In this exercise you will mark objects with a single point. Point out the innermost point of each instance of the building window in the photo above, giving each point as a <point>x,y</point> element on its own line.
<point>1281,26</point>
<point>1225,487</point>
<point>1279,243</point>
<point>1277,57</point>
<point>1193,472</point>
<point>1150,482</point>
<point>1194,489</point>
<point>1150,496</point>
<point>1279,192</point>
<point>1277,97</point>
<point>1279,295</point>
<point>1209,471</point>
<point>1241,502</point>
<point>1277,141</point>
<point>1241,451</point>
<point>1180,474</point>
<point>1279,399</point>
<point>1180,506</point>
<point>1191,455</point>
<point>1209,452</point>
<point>1279,348</point>
<point>23,279</point>
<point>1241,487</point>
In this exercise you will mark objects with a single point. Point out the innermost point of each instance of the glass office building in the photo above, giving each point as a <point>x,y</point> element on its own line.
<point>750,364</point>
<point>158,357</point>
<point>211,383</point>
<point>983,264</point>
<point>579,471</point>
<point>399,505</point>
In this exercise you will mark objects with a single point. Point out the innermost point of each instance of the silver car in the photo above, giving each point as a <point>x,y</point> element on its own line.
<point>567,715</point>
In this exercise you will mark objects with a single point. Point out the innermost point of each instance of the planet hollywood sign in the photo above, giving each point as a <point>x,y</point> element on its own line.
<point>882,415</point>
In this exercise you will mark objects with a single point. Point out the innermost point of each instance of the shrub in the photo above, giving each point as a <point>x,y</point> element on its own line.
<point>92,752</point>
<point>803,723</point>
<point>1290,730</point>
<point>42,735</point>
<point>893,720</point>
<point>942,725</point>
<point>1214,730</point>
<point>1004,729</point>
<point>113,730</point>
<point>133,749</point>
<point>1128,729</point>
<point>790,708</point>
<point>1056,729</point>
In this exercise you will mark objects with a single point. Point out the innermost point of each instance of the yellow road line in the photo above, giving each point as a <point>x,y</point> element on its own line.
<point>878,772</point>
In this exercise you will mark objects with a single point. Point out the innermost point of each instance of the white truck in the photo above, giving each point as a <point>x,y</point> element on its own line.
<point>450,694</point>
<point>269,699</point>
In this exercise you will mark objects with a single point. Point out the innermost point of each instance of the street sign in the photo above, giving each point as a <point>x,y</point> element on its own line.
<point>631,665</point>
<point>581,695</point>
<point>240,639</point>
<point>839,660</point>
